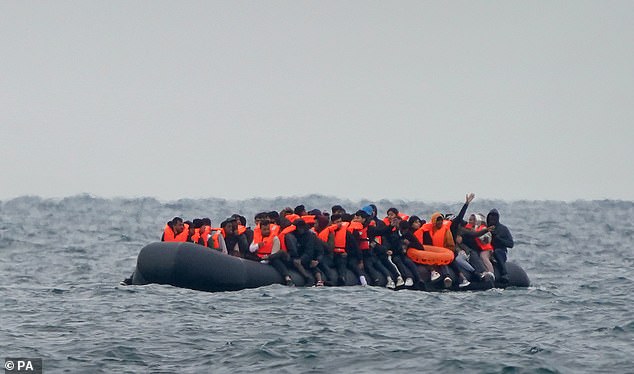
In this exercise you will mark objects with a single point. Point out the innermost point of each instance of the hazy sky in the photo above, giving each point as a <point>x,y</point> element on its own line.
<point>357,99</point>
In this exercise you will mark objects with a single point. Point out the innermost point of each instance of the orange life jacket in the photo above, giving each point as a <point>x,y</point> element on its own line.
<point>364,241</point>
<point>282,236</point>
<point>267,248</point>
<point>403,216</point>
<point>340,238</point>
<point>481,245</point>
<point>309,219</point>
<point>377,239</point>
<point>215,240</point>
<point>292,217</point>
<point>241,229</point>
<point>437,236</point>
<point>419,234</point>
<point>168,234</point>
<point>204,235</point>
<point>196,236</point>
<point>324,234</point>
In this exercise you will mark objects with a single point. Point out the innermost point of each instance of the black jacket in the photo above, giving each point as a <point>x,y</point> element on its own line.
<point>502,237</point>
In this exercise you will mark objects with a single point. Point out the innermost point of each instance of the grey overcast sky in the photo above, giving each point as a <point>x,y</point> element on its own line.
<point>357,99</point>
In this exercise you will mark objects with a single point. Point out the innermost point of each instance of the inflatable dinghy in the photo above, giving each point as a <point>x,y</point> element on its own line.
<point>196,267</point>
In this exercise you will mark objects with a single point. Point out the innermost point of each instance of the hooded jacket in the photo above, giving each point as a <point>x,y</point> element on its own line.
<point>502,237</point>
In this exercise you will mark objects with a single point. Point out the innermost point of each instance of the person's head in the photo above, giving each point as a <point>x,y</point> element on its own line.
<point>493,218</point>
<point>403,226</point>
<point>346,217</point>
<point>480,219</point>
<point>375,211</point>
<point>206,221</point>
<point>177,225</point>
<point>300,226</point>
<point>415,222</point>
<point>241,220</point>
<point>314,212</point>
<point>368,210</point>
<point>259,218</point>
<point>274,217</point>
<point>392,213</point>
<point>197,223</point>
<point>436,220</point>
<point>284,223</point>
<point>233,223</point>
<point>321,222</point>
<point>300,210</point>
<point>265,228</point>
<point>472,220</point>
<point>286,211</point>
<point>190,225</point>
<point>337,209</point>
<point>336,218</point>
<point>438,223</point>
<point>360,216</point>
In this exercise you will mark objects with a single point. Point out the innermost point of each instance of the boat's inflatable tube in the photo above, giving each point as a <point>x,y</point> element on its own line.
<point>196,267</point>
<point>431,255</point>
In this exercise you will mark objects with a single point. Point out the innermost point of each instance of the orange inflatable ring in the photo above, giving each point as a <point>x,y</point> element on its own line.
<point>431,255</point>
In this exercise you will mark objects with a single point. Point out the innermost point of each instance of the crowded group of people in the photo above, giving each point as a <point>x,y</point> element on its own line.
<point>325,247</point>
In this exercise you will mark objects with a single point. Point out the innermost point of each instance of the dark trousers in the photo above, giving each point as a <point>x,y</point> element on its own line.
<point>278,261</point>
<point>412,267</point>
<point>380,253</point>
<point>500,258</point>
<point>354,264</point>
<point>326,266</point>
<point>373,267</point>
<point>475,260</point>
<point>341,263</point>
<point>402,268</point>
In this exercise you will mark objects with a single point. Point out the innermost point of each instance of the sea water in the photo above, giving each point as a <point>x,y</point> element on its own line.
<point>61,261</point>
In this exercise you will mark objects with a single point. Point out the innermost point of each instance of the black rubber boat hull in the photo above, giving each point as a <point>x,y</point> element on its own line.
<point>195,267</point>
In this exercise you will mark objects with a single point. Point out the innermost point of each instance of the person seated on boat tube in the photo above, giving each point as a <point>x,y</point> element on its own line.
<point>371,264</point>
<point>347,250</point>
<point>304,251</point>
<point>175,231</point>
<point>482,243</point>
<point>501,240</point>
<point>466,242</point>
<point>216,238</point>
<point>265,247</point>
<point>190,229</point>
<point>242,228</point>
<point>335,235</point>
<point>398,238</point>
<point>204,231</point>
<point>416,228</point>
<point>197,223</point>
<point>326,240</point>
<point>236,243</point>
<point>382,253</point>
<point>440,236</point>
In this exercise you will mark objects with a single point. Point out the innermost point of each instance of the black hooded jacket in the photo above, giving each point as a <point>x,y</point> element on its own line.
<point>304,246</point>
<point>502,237</point>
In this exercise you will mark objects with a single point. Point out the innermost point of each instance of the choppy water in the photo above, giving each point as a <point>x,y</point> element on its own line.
<point>61,261</point>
